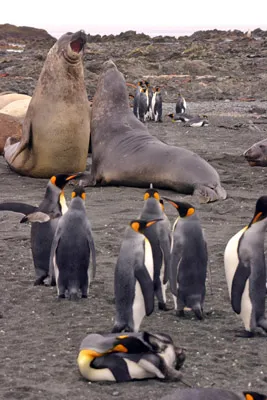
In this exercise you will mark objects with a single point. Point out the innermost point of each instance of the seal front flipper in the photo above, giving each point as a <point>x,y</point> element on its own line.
<point>147,287</point>
<point>238,285</point>
<point>206,194</point>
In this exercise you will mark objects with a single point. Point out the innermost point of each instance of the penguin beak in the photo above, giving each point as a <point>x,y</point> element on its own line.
<point>74,176</point>
<point>258,217</point>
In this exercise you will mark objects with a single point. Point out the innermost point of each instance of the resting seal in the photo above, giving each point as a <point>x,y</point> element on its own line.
<point>124,153</point>
<point>56,128</point>
<point>256,155</point>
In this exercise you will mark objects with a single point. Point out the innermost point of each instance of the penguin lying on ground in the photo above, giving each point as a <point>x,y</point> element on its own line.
<point>71,249</point>
<point>159,236</point>
<point>245,270</point>
<point>124,358</point>
<point>189,258</point>
<point>180,117</point>
<point>133,278</point>
<point>197,121</point>
<point>49,212</point>
<point>212,394</point>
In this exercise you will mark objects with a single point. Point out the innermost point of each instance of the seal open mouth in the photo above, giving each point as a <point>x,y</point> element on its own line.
<point>78,42</point>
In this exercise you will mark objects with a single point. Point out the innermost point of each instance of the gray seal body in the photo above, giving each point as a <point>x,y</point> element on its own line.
<point>124,153</point>
<point>71,249</point>
<point>212,394</point>
<point>245,270</point>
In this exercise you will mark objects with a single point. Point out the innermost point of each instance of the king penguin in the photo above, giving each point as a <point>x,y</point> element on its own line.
<point>189,258</point>
<point>180,104</point>
<point>213,394</point>
<point>245,271</point>
<point>53,205</point>
<point>159,236</point>
<point>156,105</point>
<point>71,249</point>
<point>136,101</point>
<point>198,121</point>
<point>133,278</point>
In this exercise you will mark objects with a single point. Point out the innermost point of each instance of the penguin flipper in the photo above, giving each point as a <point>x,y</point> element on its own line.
<point>117,366</point>
<point>21,208</point>
<point>147,287</point>
<point>238,285</point>
<point>53,250</point>
<point>166,249</point>
<point>91,244</point>
<point>176,258</point>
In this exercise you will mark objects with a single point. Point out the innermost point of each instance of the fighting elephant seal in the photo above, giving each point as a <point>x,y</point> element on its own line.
<point>124,153</point>
<point>56,128</point>
<point>256,155</point>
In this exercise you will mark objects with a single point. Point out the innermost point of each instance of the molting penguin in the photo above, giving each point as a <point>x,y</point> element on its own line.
<point>180,104</point>
<point>71,249</point>
<point>156,105</point>
<point>189,260</point>
<point>245,270</point>
<point>133,279</point>
<point>159,236</point>
<point>212,394</point>
<point>49,212</point>
<point>108,357</point>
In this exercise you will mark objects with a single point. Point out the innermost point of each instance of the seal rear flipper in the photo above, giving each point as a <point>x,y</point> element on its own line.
<point>117,366</point>
<point>238,285</point>
<point>20,149</point>
<point>207,194</point>
<point>147,287</point>
<point>21,208</point>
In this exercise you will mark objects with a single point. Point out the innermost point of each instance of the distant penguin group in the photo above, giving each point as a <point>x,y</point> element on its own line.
<point>147,104</point>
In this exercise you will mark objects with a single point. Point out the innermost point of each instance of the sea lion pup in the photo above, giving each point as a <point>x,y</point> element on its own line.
<point>48,212</point>
<point>212,394</point>
<point>124,153</point>
<point>256,155</point>
<point>56,128</point>
<point>110,357</point>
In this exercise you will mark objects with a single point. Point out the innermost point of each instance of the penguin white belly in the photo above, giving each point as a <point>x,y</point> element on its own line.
<point>137,371</point>
<point>162,273</point>
<point>139,310</point>
<point>231,258</point>
<point>153,101</point>
<point>93,374</point>
<point>56,270</point>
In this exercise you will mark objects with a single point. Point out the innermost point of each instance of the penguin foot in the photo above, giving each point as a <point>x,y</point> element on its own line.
<point>39,281</point>
<point>61,296</point>
<point>245,334</point>
<point>164,307</point>
<point>84,296</point>
<point>180,313</point>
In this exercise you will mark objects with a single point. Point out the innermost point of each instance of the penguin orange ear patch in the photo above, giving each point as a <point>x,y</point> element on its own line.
<point>83,196</point>
<point>135,226</point>
<point>190,211</point>
<point>249,397</point>
<point>73,194</point>
<point>146,196</point>
<point>156,195</point>
<point>53,180</point>
<point>120,348</point>
<point>122,337</point>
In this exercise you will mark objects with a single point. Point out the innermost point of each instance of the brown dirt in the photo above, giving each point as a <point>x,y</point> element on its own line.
<point>40,336</point>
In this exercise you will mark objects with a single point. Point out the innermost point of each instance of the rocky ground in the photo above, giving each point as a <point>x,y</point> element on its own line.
<point>39,335</point>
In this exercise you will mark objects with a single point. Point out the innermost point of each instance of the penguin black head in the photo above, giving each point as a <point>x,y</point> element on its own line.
<point>260,211</point>
<point>162,204</point>
<point>139,225</point>
<point>184,209</point>
<point>140,83</point>
<point>132,344</point>
<point>254,396</point>
<point>147,83</point>
<point>171,115</point>
<point>78,192</point>
<point>60,180</point>
<point>151,193</point>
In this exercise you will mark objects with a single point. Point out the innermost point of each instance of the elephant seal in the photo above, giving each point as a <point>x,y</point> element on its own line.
<point>256,155</point>
<point>124,153</point>
<point>8,97</point>
<point>9,126</point>
<point>17,108</point>
<point>56,129</point>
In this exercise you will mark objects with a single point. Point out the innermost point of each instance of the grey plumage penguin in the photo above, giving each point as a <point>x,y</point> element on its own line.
<point>212,394</point>
<point>159,236</point>
<point>49,211</point>
<point>189,258</point>
<point>72,247</point>
<point>156,104</point>
<point>245,270</point>
<point>108,357</point>
<point>133,278</point>
<point>180,106</point>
